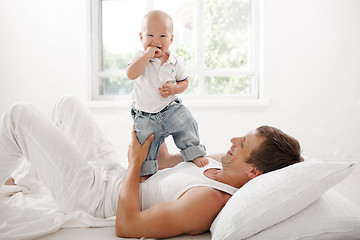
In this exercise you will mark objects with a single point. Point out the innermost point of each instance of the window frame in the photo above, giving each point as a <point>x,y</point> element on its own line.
<point>221,99</point>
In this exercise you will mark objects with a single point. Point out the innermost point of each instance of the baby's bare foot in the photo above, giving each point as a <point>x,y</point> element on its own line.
<point>143,178</point>
<point>201,161</point>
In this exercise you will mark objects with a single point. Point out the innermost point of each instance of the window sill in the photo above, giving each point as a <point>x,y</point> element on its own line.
<point>223,102</point>
<point>189,101</point>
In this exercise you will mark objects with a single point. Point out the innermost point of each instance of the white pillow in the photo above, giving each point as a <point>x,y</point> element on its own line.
<point>273,197</point>
<point>332,216</point>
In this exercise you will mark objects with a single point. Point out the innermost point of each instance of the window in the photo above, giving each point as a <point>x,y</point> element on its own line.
<point>217,39</point>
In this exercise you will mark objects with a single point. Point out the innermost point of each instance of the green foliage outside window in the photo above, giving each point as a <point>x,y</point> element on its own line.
<point>226,34</point>
<point>115,85</point>
<point>226,41</point>
<point>226,46</point>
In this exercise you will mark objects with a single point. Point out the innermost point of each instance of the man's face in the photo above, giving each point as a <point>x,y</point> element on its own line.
<point>241,149</point>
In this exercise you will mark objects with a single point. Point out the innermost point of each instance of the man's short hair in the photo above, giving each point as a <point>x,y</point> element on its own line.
<point>277,151</point>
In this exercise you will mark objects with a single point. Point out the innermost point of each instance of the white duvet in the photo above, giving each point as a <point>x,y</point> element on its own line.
<point>27,211</point>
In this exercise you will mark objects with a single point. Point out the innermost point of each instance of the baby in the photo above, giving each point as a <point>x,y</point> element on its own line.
<point>158,76</point>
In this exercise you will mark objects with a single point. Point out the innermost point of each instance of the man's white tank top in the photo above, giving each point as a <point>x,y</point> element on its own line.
<point>170,183</point>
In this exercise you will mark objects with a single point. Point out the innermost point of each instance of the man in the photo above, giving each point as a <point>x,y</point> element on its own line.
<point>78,164</point>
<point>194,211</point>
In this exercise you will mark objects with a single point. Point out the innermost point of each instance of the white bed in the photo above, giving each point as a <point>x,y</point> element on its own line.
<point>298,202</point>
<point>106,233</point>
<point>317,200</point>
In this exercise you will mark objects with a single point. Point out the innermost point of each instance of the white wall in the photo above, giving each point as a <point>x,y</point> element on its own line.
<point>44,50</point>
<point>311,71</point>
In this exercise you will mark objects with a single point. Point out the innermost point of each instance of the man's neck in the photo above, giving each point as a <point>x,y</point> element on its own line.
<point>230,178</point>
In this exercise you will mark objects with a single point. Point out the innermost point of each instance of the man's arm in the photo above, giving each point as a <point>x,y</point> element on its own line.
<point>192,213</point>
<point>167,160</point>
<point>129,203</point>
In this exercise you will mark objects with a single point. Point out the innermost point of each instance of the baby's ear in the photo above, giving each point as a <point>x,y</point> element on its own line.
<point>141,36</point>
<point>172,38</point>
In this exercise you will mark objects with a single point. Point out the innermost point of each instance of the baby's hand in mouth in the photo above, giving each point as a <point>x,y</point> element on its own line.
<point>158,51</point>
<point>154,50</point>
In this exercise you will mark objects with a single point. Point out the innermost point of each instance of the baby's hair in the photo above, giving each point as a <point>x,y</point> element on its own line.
<point>156,14</point>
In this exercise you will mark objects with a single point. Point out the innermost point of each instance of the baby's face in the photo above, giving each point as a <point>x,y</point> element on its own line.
<point>157,32</point>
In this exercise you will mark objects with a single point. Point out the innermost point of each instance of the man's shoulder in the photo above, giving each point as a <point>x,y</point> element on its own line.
<point>208,195</point>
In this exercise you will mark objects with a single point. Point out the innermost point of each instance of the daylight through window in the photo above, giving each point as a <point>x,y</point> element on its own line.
<point>217,40</point>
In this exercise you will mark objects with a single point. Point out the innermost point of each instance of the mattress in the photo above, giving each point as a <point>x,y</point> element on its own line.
<point>107,233</point>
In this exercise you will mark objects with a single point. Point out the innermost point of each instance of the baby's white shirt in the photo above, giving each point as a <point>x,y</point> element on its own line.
<point>145,95</point>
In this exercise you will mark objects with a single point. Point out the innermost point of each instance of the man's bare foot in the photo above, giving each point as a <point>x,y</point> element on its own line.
<point>201,161</point>
<point>10,181</point>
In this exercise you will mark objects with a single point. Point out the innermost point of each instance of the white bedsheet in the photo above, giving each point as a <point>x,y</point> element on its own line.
<point>27,211</point>
<point>28,215</point>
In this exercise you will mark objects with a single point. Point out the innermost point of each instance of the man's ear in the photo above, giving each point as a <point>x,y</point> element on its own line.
<point>254,172</point>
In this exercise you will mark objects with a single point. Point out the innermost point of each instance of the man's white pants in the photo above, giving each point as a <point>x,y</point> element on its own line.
<point>70,154</point>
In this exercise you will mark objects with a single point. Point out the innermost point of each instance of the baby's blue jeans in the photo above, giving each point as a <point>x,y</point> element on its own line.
<point>176,120</point>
